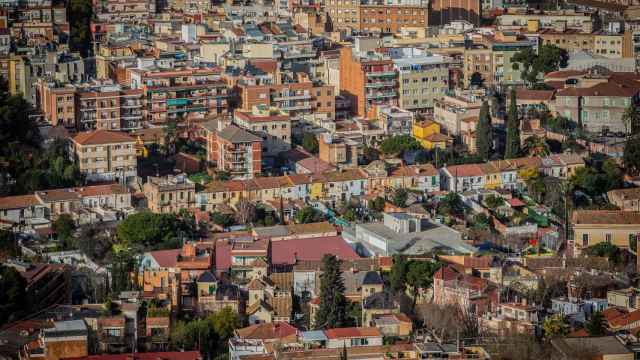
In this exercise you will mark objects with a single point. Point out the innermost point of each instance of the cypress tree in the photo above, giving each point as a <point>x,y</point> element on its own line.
<point>332,312</point>
<point>512,145</point>
<point>483,133</point>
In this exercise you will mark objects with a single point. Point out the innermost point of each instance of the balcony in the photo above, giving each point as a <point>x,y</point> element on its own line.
<point>381,73</point>
<point>379,84</point>
<point>296,107</point>
<point>381,95</point>
<point>292,97</point>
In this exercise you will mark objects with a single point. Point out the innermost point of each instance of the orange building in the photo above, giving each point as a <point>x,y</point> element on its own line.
<point>445,11</point>
<point>298,98</point>
<point>57,103</point>
<point>233,149</point>
<point>367,80</point>
<point>391,19</point>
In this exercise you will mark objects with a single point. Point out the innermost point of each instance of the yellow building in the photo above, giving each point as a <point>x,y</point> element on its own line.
<point>591,227</point>
<point>428,135</point>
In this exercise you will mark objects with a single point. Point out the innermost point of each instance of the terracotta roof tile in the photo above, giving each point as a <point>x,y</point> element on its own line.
<point>606,217</point>
<point>98,137</point>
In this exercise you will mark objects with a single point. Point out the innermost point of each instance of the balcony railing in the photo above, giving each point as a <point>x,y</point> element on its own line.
<point>380,84</point>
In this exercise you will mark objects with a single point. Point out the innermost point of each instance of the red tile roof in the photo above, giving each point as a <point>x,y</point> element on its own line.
<point>98,137</point>
<point>267,331</point>
<point>352,332</point>
<point>166,258</point>
<point>606,217</point>
<point>286,251</point>
<point>17,202</point>
<point>602,89</point>
<point>169,355</point>
<point>625,320</point>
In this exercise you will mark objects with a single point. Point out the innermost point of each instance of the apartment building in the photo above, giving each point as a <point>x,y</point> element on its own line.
<point>343,14</point>
<point>109,107</point>
<point>303,97</point>
<point>537,20</point>
<point>422,78</point>
<point>189,93</point>
<point>598,106</point>
<point>273,125</point>
<point>233,149</point>
<point>591,227</point>
<point>394,120</point>
<point>383,18</point>
<point>451,111</point>
<point>169,194</point>
<point>57,103</point>
<point>338,151</point>
<point>367,79</point>
<point>105,155</point>
<point>442,12</point>
<point>505,70</point>
<point>478,66</point>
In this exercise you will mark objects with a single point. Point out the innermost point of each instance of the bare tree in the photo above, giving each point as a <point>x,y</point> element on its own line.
<point>245,212</point>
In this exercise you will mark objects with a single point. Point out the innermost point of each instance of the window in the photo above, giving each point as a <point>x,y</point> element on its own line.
<point>608,237</point>
<point>585,240</point>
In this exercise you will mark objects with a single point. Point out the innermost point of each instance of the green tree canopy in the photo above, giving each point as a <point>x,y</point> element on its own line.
<point>377,204</point>
<point>64,226</point>
<point>555,326</point>
<point>596,326</point>
<point>484,133</point>
<point>332,312</point>
<point>549,58</point>
<point>512,146</point>
<point>153,231</point>
<point>536,146</point>
<point>631,155</point>
<point>398,144</point>
<point>398,274</point>
<point>308,215</point>
<point>13,298</point>
<point>310,143</point>
<point>400,196</point>
<point>631,119</point>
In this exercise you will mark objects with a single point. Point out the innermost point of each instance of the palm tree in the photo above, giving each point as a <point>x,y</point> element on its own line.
<point>631,119</point>
<point>536,146</point>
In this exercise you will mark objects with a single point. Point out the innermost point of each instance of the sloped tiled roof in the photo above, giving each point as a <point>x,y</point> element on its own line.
<point>98,137</point>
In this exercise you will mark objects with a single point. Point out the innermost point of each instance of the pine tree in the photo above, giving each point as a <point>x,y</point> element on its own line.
<point>332,312</point>
<point>483,133</point>
<point>512,146</point>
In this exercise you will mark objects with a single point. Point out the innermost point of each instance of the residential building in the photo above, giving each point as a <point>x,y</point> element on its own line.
<point>169,194</point>
<point>367,79</point>
<point>450,111</point>
<point>189,93</point>
<point>273,125</point>
<point>66,339</point>
<point>617,227</point>
<point>598,102</point>
<point>57,103</point>
<point>400,233</point>
<point>109,107</point>
<point>394,120</point>
<point>383,17</point>
<point>442,12</point>
<point>233,149</point>
<point>472,294</point>
<point>298,98</point>
<point>427,133</point>
<point>423,78</point>
<point>105,155</point>
<point>605,347</point>
<point>338,151</point>
<point>353,337</point>
<point>625,199</point>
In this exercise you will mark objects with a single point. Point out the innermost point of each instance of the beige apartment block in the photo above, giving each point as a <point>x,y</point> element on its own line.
<point>169,194</point>
<point>105,155</point>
